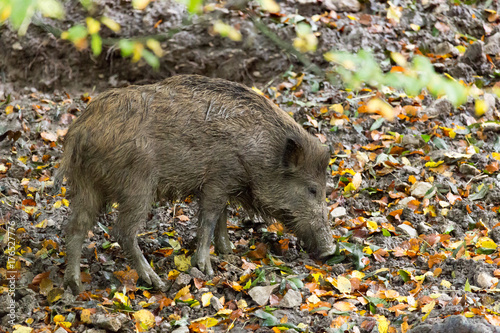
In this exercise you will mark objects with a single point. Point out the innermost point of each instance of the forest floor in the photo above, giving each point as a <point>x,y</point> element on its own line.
<point>414,203</point>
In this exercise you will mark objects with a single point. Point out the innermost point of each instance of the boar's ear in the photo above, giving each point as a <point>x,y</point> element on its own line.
<point>294,153</point>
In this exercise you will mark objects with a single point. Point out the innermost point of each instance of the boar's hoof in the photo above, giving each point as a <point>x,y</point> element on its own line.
<point>203,264</point>
<point>73,282</point>
<point>327,254</point>
<point>151,278</point>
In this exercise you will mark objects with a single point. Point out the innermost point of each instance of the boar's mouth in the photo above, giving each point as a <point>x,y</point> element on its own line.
<point>317,238</point>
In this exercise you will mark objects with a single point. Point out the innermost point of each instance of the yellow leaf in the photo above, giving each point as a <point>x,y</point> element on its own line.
<point>349,188</point>
<point>394,12</point>
<point>270,6</point>
<point>93,26</point>
<point>486,242</point>
<point>382,324</point>
<point>58,318</point>
<point>65,202</point>
<point>344,285</point>
<point>338,108</point>
<point>22,329</point>
<point>358,274</point>
<point>372,225</point>
<point>481,107</point>
<point>367,250</point>
<point>428,307</point>
<point>433,164</point>
<point>140,4</point>
<point>461,49</point>
<point>258,91</point>
<point>496,156</point>
<point>225,30</point>
<point>207,321</point>
<point>9,109</point>
<point>155,46</point>
<point>376,105</point>
<point>85,317</point>
<point>42,224</point>
<point>110,23</point>
<point>415,27</point>
<point>242,304</point>
<point>352,18</point>
<point>121,299</point>
<point>182,262</point>
<point>227,312</point>
<point>182,292</point>
<point>58,204</point>
<point>5,13</point>
<point>173,274</point>
<point>137,51</point>
<point>399,59</point>
<point>30,209</point>
<point>144,320</point>
<point>23,159</point>
<point>205,299</point>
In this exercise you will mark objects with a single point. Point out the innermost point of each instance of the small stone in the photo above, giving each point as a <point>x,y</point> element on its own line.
<point>343,5</point>
<point>216,304</point>
<point>485,280</point>
<point>474,55</point>
<point>292,298</point>
<point>419,189</point>
<point>493,44</point>
<point>439,107</point>
<point>60,330</point>
<point>338,212</point>
<point>445,48</point>
<point>182,329</point>
<point>261,295</point>
<point>109,322</point>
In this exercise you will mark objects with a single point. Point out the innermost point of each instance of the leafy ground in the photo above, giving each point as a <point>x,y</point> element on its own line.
<point>413,202</point>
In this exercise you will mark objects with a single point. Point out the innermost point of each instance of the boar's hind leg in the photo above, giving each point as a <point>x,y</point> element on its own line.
<point>131,213</point>
<point>85,208</point>
<point>221,237</point>
<point>212,210</point>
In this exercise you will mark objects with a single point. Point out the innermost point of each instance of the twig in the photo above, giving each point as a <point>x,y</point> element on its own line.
<point>286,46</point>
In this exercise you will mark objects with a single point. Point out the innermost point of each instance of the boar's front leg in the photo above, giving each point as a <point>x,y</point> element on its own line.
<point>212,210</point>
<point>132,213</point>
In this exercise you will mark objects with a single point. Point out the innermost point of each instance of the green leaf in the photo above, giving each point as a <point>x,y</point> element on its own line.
<point>467,286</point>
<point>20,17</point>
<point>51,8</point>
<point>377,124</point>
<point>386,232</point>
<point>96,44</point>
<point>77,32</point>
<point>296,282</point>
<point>404,275</point>
<point>126,46</point>
<point>425,137</point>
<point>151,59</point>
<point>480,194</point>
<point>269,319</point>
<point>439,143</point>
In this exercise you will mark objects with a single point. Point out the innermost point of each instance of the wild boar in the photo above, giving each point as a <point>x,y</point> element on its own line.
<point>191,135</point>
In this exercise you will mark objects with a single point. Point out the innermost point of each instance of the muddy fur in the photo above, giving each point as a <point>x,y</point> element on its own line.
<point>192,135</point>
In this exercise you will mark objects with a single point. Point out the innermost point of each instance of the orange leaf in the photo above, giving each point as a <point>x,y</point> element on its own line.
<point>344,306</point>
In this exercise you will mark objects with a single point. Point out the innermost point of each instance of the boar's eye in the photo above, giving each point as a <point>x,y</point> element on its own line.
<point>312,190</point>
